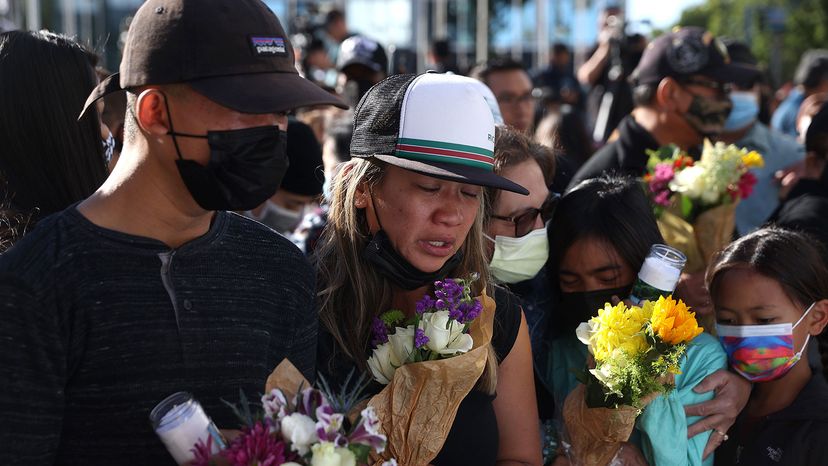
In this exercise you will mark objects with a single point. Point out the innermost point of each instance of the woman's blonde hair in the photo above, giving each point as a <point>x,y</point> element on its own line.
<point>351,291</point>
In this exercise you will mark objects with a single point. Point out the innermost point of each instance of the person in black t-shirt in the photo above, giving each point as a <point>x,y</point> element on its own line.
<point>149,286</point>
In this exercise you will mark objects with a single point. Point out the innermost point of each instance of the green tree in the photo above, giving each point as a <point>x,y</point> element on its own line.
<point>803,27</point>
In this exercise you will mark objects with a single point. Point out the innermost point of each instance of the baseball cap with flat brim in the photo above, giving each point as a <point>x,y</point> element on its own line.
<point>434,124</point>
<point>685,52</point>
<point>234,52</point>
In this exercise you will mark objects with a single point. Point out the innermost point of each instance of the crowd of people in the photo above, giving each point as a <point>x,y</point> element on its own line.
<point>233,197</point>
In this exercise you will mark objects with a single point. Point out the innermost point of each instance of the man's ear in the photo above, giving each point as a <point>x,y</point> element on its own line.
<point>667,95</point>
<point>818,317</point>
<point>151,112</point>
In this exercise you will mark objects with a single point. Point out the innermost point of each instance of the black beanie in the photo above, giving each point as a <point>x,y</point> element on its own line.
<point>304,174</point>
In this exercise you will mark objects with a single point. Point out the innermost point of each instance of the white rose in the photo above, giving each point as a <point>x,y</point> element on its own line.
<point>300,431</point>
<point>402,343</point>
<point>327,454</point>
<point>445,336</point>
<point>604,375</point>
<point>383,363</point>
<point>690,182</point>
<point>584,333</point>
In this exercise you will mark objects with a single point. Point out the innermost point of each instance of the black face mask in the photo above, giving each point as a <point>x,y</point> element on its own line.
<point>381,253</point>
<point>246,167</point>
<point>581,306</point>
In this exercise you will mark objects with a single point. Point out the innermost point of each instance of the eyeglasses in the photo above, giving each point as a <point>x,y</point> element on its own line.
<point>525,221</point>
<point>723,88</point>
<point>511,99</point>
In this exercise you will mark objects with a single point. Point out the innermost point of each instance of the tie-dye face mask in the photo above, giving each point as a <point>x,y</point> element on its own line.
<point>761,353</point>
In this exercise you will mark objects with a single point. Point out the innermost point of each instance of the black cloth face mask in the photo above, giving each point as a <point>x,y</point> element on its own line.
<point>577,307</point>
<point>381,253</point>
<point>246,167</point>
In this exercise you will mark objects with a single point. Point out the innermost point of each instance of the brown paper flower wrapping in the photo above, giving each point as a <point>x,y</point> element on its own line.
<point>595,433</point>
<point>417,408</point>
<point>710,233</point>
<point>287,378</point>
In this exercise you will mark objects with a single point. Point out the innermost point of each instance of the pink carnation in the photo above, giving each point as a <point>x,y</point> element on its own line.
<point>746,184</point>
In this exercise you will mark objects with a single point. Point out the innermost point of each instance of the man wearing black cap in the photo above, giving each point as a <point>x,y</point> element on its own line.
<point>151,286</point>
<point>301,186</point>
<point>680,94</point>
<point>362,62</point>
<point>744,129</point>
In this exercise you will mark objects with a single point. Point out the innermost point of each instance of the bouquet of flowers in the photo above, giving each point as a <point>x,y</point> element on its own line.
<point>310,427</point>
<point>637,351</point>
<point>439,330</point>
<point>428,364</point>
<point>695,202</point>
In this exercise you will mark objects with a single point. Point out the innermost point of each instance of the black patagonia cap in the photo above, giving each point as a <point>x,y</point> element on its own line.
<point>234,52</point>
<point>685,52</point>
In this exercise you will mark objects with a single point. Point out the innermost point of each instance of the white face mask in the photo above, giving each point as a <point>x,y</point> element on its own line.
<point>519,259</point>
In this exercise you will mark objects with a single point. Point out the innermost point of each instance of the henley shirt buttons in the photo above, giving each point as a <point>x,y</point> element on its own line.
<point>188,305</point>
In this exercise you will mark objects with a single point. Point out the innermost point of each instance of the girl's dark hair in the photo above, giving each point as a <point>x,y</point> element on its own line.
<point>611,208</point>
<point>793,259</point>
<point>50,159</point>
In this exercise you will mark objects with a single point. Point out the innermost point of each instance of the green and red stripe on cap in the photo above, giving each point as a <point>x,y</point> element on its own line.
<point>437,151</point>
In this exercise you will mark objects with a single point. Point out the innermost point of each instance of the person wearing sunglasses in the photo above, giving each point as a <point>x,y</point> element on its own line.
<point>516,241</point>
<point>680,92</point>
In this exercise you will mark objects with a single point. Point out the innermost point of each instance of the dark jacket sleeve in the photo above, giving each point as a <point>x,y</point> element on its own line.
<point>33,372</point>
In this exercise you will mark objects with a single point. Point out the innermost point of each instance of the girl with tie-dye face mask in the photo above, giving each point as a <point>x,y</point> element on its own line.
<point>770,293</point>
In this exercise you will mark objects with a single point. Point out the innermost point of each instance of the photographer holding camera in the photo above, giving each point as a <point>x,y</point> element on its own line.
<point>605,73</point>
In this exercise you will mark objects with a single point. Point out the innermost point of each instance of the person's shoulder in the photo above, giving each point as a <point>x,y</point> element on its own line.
<point>247,237</point>
<point>507,320</point>
<point>708,350</point>
<point>603,160</point>
<point>247,229</point>
<point>42,246</point>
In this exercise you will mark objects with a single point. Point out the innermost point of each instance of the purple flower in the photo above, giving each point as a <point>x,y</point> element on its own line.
<point>308,401</point>
<point>441,304</point>
<point>366,432</point>
<point>474,312</point>
<point>275,404</point>
<point>424,305</point>
<point>458,312</point>
<point>379,332</point>
<point>420,338</point>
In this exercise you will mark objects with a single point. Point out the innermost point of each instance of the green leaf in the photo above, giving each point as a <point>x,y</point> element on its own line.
<point>392,318</point>
<point>360,451</point>
<point>686,207</point>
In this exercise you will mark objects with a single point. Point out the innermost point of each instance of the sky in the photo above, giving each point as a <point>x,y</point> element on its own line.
<point>663,13</point>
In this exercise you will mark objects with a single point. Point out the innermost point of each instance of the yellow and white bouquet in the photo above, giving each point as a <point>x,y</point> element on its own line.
<point>636,350</point>
<point>695,201</point>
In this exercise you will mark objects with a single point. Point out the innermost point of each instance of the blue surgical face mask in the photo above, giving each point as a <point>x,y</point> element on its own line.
<point>745,110</point>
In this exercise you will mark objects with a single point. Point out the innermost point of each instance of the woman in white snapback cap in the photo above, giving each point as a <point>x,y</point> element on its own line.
<point>407,211</point>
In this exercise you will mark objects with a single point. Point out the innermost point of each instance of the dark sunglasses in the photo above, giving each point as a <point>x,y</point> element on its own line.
<point>723,88</point>
<point>525,221</point>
